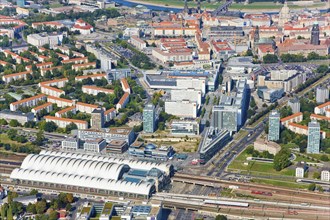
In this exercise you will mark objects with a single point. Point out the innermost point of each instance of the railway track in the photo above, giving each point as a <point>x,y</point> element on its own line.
<point>292,193</point>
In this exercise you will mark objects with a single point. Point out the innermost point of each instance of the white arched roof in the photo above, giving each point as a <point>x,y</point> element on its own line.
<point>75,166</point>
<point>134,164</point>
<point>142,188</point>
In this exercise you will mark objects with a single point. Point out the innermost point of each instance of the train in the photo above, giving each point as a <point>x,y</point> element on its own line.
<point>226,203</point>
<point>261,193</point>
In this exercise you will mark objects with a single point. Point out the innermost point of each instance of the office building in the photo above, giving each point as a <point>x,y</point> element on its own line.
<point>95,145</point>
<point>137,149</point>
<point>213,141</point>
<point>322,94</point>
<point>294,104</point>
<point>325,174</point>
<point>97,119</point>
<point>190,94</point>
<point>149,118</point>
<point>274,126</point>
<point>314,137</point>
<point>44,38</point>
<point>230,113</point>
<point>20,3</point>
<point>183,108</point>
<point>184,127</point>
<point>264,145</point>
<point>21,117</point>
<point>301,169</point>
<point>315,34</point>
<point>70,143</point>
<point>109,134</point>
<point>270,95</point>
<point>117,147</point>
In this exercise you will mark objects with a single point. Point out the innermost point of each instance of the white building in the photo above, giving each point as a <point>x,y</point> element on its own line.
<point>110,114</point>
<point>190,94</point>
<point>29,102</point>
<point>183,108</point>
<point>56,82</point>
<point>83,27</point>
<point>48,107</point>
<point>60,102</point>
<point>63,122</point>
<point>325,174</point>
<point>44,38</point>
<point>17,115</point>
<point>95,145</point>
<point>125,85</point>
<point>300,169</point>
<point>86,108</point>
<point>322,94</point>
<point>52,91</point>
<point>138,43</point>
<point>15,76</point>
<point>70,144</point>
<point>123,101</point>
<point>63,112</point>
<point>94,90</point>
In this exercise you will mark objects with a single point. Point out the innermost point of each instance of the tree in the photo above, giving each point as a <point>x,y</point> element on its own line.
<point>70,127</point>
<point>10,213</point>
<point>39,139</point>
<point>31,208</point>
<point>281,159</point>
<point>320,188</point>
<point>41,206</point>
<point>34,192</point>
<point>312,187</point>
<point>220,217</point>
<point>3,122</point>
<point>270,58</point>
<point>324,158</point>
<point>316,175</point>
<point>207,123</point>
<point>14,123</point>
<point>53,215</point>
<point>69,197</point>
<point>48,126</point>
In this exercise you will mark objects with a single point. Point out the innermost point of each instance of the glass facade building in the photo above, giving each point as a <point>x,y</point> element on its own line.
<point>274,126</point>
<point>149,119</point>
<point>314,137</point>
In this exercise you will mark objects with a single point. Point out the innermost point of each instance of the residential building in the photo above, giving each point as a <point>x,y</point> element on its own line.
<point>97,119</point>
<point>44,38</point>
<point>55,82</point>
<point>325,174</point>
<point>77,60</point>
<point>184,127</point>
<point>294,104</point>
<point>52,91</point>
<point>296,117</point>
<point>95,146</point>
<point>125,85</point>
<point>29,102</point>
<point>109,114</point>
<point>138,43</point>
<point>15,76</point>
<point>70,143</point>
<point>274,126</point>
<point>322,109</point>
<point>21,117</point>
<point>183,108</point>
<point>149,118</point>
<point>63,122</point>
<point>86,108</point>
<point>22,11</point>
<point>301,169</point>
<point>60,102</point>
<point>107,59</point>
<point>322,94</point>
<point>93,77</point>
<point>81,66</point>
<point>123,101</point>
<point>314,138</point>
<point>264,145</point>
<point>94,90</point>
<point>64,111</point>
<point>47,107</point>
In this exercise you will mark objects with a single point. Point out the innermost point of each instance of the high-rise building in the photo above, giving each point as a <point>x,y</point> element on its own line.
<point>315,35</point>
<point>314,137</point>
<point>224,118</point>
<point>149,118</point>
<point>20,3</point>
<point>97,119</point>
<point>294,104</point>
<point>322,94</point>
<point>274,126</point>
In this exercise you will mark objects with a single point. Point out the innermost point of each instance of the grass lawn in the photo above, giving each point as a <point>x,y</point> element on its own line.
<point>5,139</point>
<point>281,183</point>
<point>255,167</point>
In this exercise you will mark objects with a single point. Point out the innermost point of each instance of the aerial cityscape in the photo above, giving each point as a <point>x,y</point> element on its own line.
<point>156,110</point>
